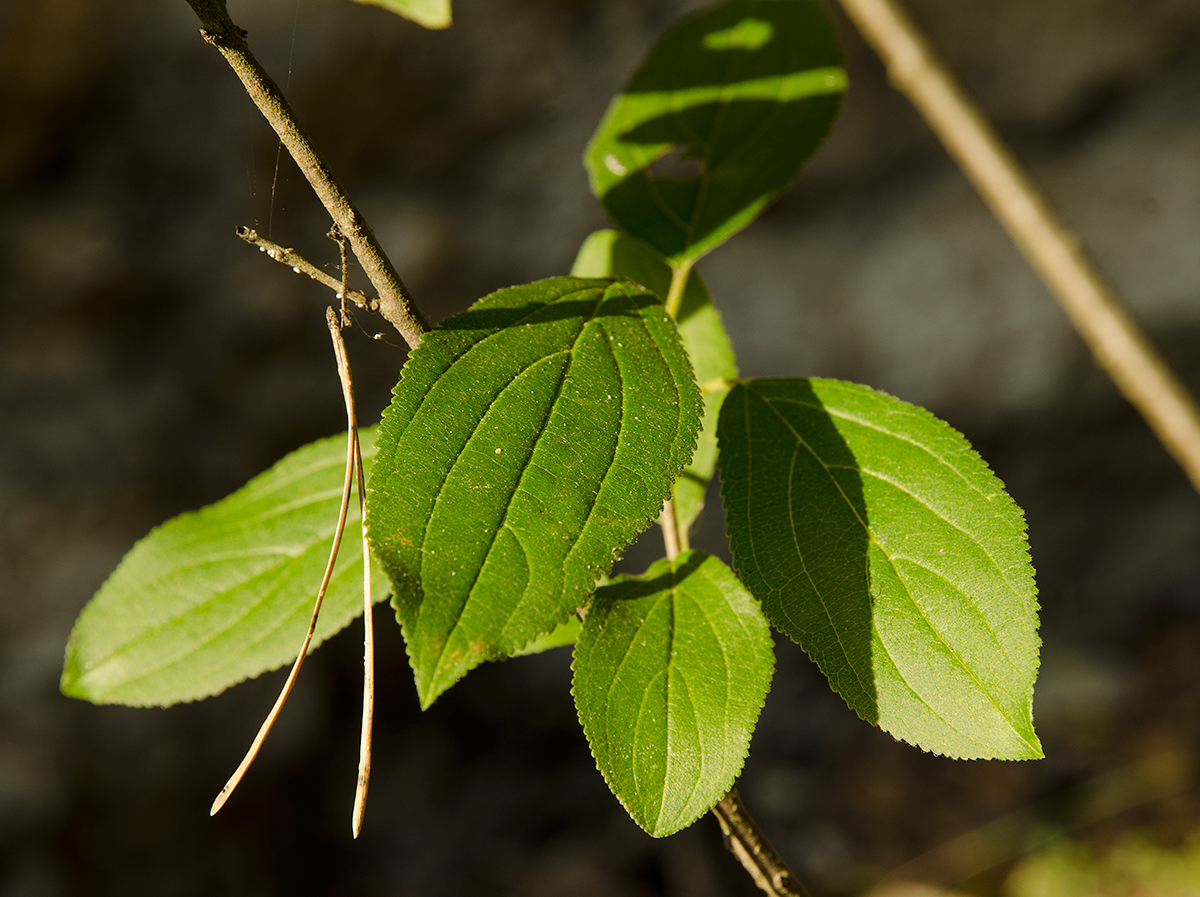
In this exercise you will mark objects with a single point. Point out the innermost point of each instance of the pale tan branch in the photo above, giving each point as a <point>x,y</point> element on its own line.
<point>395,302</point>
<point>1056,253</point>
<point>368,715</point>
<point>334,320</point>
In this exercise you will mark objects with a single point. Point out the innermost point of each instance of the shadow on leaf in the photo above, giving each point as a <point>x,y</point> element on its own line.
<point>798,528</point>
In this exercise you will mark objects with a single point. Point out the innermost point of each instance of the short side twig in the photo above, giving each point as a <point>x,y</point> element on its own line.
<point>746,841</point>
<point>1119,347</point>
<point>301,265</point>
<point>395,302</point>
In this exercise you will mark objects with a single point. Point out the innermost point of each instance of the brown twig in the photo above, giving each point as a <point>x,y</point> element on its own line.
<point>395,302</point>
<point>301,265</point>
<point>746,841</point>
<point>1120,348</point>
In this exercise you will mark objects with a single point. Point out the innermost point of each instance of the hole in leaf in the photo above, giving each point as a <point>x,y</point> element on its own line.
<point>748,34</point>
<point>677,164</point>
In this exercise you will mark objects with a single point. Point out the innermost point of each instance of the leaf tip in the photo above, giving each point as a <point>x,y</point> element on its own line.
<point>71,684</point>
<point>435,15</point>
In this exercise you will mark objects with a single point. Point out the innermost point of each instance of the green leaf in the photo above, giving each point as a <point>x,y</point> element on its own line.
<point>671,671</point>
<point>218,595</point>
<point>430,13</point>
<point>878,540</point>
<point>529,440</point>
<point>609,252</point>
<point>559,637</point>
<point>716,122</point>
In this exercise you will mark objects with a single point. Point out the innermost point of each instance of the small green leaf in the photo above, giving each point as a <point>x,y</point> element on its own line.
<point>716,122</point>
<point>671,671</point>
<point>608,252</point>
<point>430,13</point>
<point>878,540</point>
<point>559,637</point>
<point>218,595</point>
<point>529,440</point>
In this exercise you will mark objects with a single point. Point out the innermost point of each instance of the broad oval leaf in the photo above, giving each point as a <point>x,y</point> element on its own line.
<point>222,594</point>
<point>607,253</point>
<point>430,13</point>
<point>671,671</point>
<point>716,122</point>
<point>528,441</point>
<point>878,540</point>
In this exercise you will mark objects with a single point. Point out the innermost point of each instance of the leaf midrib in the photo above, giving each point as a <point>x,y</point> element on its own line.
<point>550,405</point>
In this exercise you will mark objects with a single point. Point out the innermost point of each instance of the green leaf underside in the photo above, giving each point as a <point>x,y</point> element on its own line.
<point>216,596</point>
<point>559,637</point>
<point>671,671</point>
<point>430,13</point>
<point>528,441</point>
<point>717,121</point>
<point>878,540</point>
<point>612,253</point>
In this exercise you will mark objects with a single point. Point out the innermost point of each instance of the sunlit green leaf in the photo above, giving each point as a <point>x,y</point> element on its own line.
<point>530,438</point>
<point>671,671</point>
<point>430,13</point>
<point>218,595</point>
<point>879,540</point>
<point>717,121</point>
<point>609,252</point>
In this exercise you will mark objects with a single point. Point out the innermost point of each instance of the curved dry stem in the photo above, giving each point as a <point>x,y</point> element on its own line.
<point>265,729</point>
<point>368,715</point>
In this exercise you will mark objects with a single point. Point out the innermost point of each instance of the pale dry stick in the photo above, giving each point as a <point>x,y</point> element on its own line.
<point>368,719</point>
<point>264,730</point>
<point>395,302</point>
<point>1056,253</point>
<point>334,321</point>
<point>746,841</point>
<point>300,265</point>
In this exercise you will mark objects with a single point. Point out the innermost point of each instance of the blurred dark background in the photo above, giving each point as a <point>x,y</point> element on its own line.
<point>151,363</point>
